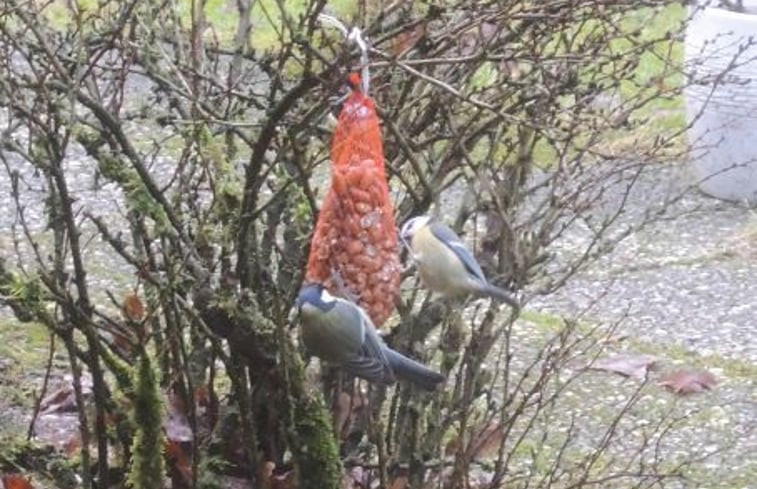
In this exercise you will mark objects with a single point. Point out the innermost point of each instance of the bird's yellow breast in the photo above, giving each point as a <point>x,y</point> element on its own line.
<point>439,267</point>
<point>327,336</point>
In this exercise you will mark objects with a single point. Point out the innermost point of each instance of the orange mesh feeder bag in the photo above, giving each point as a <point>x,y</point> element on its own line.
<point>354,250</point>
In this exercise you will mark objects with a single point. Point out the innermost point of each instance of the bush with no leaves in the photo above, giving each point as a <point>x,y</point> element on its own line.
<point>146,148</point>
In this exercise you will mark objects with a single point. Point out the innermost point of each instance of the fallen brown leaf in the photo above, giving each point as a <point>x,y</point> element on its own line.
<point>133,308</point>
<point>16,481</point>
<point>484,442</point>
<point>202,396</point>
<point>688,381</point>
<point>627,365</point>
<point>179,458</point>
<point>63,398</point>
<point>60,400</point>
<point>73,445</point>
<point>407,39</point>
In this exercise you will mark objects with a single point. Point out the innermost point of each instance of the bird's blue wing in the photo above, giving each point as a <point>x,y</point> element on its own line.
<point>369,369</point>
<point>371,363</point>
<point>453,242</point>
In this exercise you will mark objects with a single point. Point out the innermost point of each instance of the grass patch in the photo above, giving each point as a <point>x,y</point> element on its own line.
<point>25,343</point>
<point>660,67</point>
<point>222,17</point>
<point>653,84</point>
<point>24,349</point>
<point>23,357</point>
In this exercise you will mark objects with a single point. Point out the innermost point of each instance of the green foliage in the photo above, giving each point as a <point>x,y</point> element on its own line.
<point>23,290</point>
<point>147,470</point>
<point>25,348</point>
<point>653,69</point>
<point>20,454</point>
<point>207,472</point>
<point>484,77</point>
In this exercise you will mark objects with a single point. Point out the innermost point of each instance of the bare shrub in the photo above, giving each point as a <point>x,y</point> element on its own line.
<point>150,151</point>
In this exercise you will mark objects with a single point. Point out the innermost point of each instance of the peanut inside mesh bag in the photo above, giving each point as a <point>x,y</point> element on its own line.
<point>354,250</point>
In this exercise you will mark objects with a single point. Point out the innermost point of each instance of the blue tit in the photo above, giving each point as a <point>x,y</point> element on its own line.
<point>445,264</point>
<point>340,332</point>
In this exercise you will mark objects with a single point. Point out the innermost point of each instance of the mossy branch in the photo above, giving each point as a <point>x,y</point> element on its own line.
<point>147,470</point>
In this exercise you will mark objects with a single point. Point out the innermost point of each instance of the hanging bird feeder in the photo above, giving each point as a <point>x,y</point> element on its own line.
<point>354,250</point>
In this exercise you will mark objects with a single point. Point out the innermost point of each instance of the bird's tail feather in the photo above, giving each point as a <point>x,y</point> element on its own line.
<point>502,295</point>
<point>415,372</point>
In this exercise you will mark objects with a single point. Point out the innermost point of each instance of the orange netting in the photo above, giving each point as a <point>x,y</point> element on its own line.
<point>354,250</point>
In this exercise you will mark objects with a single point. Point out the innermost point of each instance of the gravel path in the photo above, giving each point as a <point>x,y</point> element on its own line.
<point>690,281</point>
<point>686,289</point>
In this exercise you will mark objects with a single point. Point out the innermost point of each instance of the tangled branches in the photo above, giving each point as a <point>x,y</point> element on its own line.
<point>152,150</point>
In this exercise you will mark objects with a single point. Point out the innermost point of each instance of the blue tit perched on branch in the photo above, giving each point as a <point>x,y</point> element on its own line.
<point>445,264</point>
<point>340,332</point>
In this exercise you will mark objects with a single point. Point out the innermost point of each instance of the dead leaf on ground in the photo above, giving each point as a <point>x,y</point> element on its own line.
<point>628,365</point>
<point>179,438</point>
<point>60,400</point>
<point>73,446</point>
<point>484,442</point>
<point>133,307</point>
<point>179,457</point>
<point>688,381</point>
<point>63,398</point>
<point>16,481</point>
<point>407,39</point>
<point>202,395</point>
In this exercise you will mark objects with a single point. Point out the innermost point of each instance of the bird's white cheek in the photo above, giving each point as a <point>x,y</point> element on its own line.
<point>420,252</point>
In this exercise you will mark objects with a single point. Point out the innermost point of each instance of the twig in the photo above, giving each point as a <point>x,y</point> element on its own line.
<point>43,391</point>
